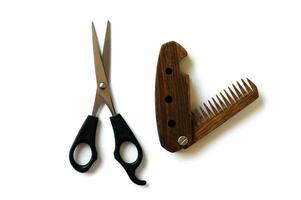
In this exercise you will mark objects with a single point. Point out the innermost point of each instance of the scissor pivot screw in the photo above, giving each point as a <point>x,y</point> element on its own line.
<point>183,140</point>
<point>102,86</point>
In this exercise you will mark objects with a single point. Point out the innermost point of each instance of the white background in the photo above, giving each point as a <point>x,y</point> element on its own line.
<point>47,86</point>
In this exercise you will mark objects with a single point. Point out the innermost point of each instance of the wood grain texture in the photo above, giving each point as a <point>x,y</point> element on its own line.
<point>172,98</point>
<point>173,102</point>
<point>207,118</point>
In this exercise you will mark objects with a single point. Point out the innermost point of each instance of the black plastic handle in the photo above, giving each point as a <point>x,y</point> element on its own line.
<point>123,134</point>
<point>86,135</point>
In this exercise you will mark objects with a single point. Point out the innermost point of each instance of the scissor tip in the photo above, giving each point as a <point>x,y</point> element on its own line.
<point>92,24</point>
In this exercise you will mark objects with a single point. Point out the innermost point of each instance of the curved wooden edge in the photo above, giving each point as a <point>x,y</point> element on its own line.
<point>172,99</point>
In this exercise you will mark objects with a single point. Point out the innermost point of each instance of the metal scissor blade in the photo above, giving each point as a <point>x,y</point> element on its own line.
<point>98,103</point>
<point>103,92</point>
<point>106,54</point>
<point>99,68</point>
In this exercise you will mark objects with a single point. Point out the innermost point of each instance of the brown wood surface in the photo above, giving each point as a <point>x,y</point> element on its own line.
<point>223,107</point>
<point>173,102</point>
<point>172,85</point>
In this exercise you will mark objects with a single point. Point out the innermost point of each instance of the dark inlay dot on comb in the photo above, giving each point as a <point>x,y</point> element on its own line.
<point>171,123</point>
<point>168,99</point>
<point>168,71</point>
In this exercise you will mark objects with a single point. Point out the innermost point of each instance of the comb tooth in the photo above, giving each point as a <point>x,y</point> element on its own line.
<point>246,86</point>
<point>208,111</point>
<point>229,97</point>
<point>195,117</point>
<point>242,89</point>
<point>237,91</point>
<point>213,108</point>
<point>233,94</point>
<point>205,115</point>
<point>200,117</point>
<point>217,105</point>
<point>253,86</point>
<point>221,102</point>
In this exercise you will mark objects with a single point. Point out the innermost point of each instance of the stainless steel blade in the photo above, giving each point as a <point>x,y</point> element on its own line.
<point>103,88</point>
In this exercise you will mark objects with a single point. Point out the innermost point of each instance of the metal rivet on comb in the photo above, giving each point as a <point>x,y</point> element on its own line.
<point>183,140</point>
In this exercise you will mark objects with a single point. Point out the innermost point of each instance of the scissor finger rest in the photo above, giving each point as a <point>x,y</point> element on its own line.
<point>123,133</point>
<point>86,135</point>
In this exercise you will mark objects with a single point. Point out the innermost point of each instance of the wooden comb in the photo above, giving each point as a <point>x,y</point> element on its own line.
<point>177,126</point>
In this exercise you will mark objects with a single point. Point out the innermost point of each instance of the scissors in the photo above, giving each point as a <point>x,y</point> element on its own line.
<point>103,96</point>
